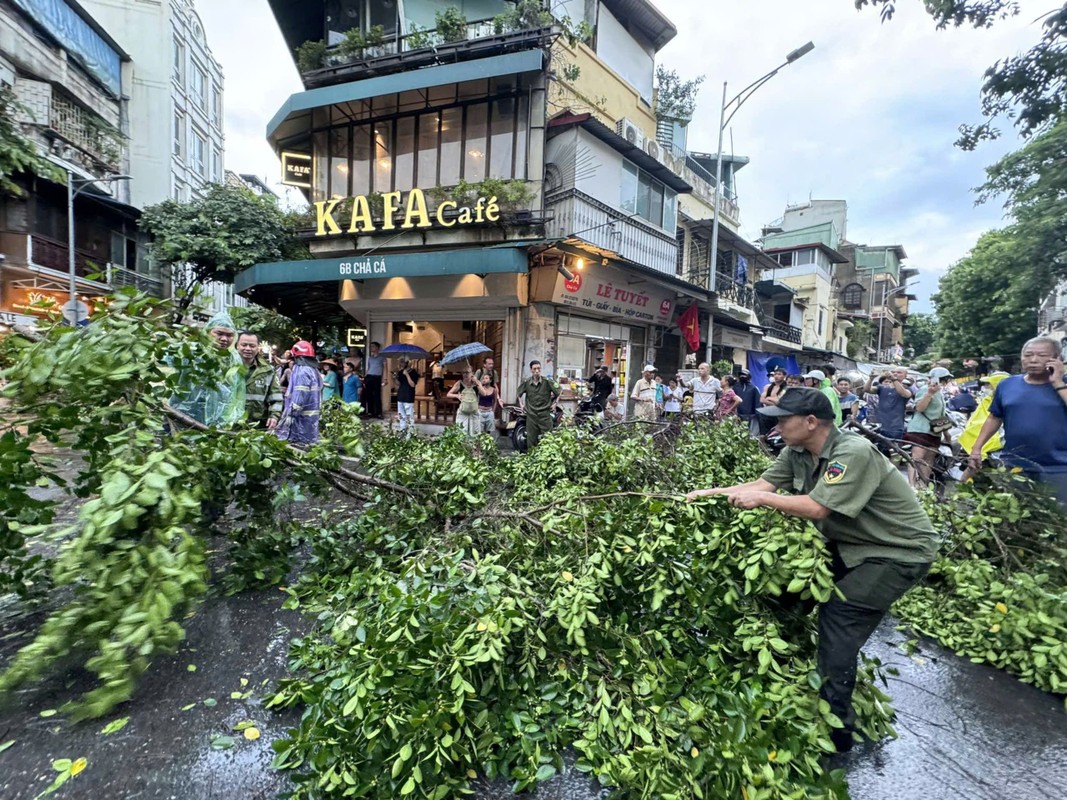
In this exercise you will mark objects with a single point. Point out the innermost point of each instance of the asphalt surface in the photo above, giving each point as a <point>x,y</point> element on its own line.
<point>966,731</point>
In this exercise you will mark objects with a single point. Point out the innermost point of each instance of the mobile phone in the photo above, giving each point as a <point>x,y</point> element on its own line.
<point>1050,369</point>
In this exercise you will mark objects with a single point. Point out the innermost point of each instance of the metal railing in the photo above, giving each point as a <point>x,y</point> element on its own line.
<point>119,277</point>
<point>736,292</point>
<point>85,131</point>
<point>781,330</point>
<point>599,224</point>
<point>53,255</point>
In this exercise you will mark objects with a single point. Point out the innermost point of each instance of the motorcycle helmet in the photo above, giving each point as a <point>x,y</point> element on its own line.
<point>303,349</point>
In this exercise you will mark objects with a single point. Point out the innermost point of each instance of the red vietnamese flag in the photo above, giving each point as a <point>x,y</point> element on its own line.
<point>689,324</point>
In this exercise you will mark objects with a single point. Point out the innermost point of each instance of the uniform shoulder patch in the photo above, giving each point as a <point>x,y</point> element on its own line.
<point>835,472</point>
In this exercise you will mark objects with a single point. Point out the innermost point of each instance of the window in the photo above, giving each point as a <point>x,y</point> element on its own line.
<point>216,106</point>
<point>216,166</point>
<point>852,296</point>
<point>647,197</point>
<point>179,134</point>
<point>430,148</point>
<point>802,257</point>
<point>343,15</point>
<point>179,62</point>
<point>199,87</point>
<point>784,259</point>
<point>198,151</point>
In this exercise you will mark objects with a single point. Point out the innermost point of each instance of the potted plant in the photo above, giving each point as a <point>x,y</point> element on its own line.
<point>451,25</point>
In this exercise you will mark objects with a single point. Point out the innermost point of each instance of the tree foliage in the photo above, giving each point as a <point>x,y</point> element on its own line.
<point>271,327</point>
<point>218,235</point>
<point>920,333</point>
<point>984,307</point>
<point>134,562</point>
<point>18,154</point>
<point>1031,87</point>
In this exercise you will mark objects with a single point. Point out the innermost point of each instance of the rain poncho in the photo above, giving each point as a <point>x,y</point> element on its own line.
<point>303,402</point>
<point>978,418</point>
<point>222,403</point>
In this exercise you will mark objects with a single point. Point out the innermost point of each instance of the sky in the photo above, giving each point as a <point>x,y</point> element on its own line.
<point>869,116</point>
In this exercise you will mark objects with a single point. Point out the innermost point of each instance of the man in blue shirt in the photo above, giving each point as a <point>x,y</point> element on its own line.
<point>1032,408</point>
<point>893,398</point>
<point>749,395</point>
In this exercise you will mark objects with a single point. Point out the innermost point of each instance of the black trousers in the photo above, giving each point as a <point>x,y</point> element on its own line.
<point>870,588</point>
<point>372,395</point>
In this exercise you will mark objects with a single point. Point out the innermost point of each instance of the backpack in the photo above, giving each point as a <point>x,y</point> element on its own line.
<point>468,401</point>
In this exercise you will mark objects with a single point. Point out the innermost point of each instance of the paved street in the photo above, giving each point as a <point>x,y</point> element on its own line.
<point>966,731</point>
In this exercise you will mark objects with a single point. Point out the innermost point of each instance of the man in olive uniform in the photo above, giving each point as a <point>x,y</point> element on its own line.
<point>880,540</point>
<point>537,396</point>
<point>263,393</point>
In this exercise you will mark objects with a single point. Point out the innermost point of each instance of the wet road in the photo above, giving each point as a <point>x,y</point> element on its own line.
<point>966,731</point>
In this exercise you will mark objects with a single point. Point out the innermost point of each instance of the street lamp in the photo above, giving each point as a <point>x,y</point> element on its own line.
<point>72,192</point>
<point>724,120</point>
<point>881,317</point>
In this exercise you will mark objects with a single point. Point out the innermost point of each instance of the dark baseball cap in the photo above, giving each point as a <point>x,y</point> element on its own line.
<point>801,402</point>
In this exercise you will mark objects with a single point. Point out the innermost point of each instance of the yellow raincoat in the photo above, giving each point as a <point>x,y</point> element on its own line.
<point>978,418</point>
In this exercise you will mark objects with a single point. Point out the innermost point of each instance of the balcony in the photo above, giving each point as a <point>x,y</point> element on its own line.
<point>350,61</point>
<point>85,131</point>
<point>740,294</point>
<point>780,330</point>
<point>576,214</point>
<point>53,255</point>
<point>119,277</point>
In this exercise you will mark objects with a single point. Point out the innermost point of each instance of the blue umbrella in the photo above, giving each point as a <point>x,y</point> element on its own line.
<point>409,350</point>
<point>465,351</point>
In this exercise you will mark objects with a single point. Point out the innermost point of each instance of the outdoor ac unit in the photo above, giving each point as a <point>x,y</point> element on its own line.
<point>629,131</point>
<point>653,149</point>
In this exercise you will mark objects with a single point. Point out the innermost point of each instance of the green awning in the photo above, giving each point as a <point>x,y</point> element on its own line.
<point>475,260</point>
<point>302,103</point>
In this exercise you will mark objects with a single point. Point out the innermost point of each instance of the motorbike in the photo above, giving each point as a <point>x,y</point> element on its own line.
<point>588,413</point>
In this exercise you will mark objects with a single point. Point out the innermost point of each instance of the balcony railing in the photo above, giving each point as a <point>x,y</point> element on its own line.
<point>405,50</point>
<point>119,277</point>
<point>575,213</point>
<point>738,293</point>
<point>781,330</point>
<point>53,255</point>
<point>86,131</point>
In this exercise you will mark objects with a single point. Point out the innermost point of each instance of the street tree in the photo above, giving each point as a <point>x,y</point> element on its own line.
<point>271,327</point>
<point>18,154</point>
<point>217,236</point>
<point>983,306</point>
<point>1030,87</point>
<point>920,333</point>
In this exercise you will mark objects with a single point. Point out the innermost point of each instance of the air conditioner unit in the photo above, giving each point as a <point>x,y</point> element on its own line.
<point>653,149</point>
<point>629,131</point>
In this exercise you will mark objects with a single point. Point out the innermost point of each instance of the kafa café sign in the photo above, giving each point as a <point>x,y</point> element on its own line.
<point>400,211</point>
<point>610,292</point>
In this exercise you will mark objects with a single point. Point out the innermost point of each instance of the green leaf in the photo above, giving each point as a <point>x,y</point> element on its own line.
<point>222,742</point>
<point>6,745</point>
<point>115,726</point>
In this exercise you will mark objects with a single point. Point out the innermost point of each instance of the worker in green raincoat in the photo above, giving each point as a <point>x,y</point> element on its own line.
<point>219,403</point>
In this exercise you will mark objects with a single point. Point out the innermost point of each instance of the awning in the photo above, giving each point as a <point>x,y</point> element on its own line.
<point>295,113</point>
<point>477,261</point>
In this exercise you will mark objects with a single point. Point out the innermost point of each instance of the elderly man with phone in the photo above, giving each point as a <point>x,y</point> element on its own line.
<point>1032,408</point>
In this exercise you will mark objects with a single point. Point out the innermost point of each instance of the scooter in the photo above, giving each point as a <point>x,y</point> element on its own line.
<point>588,413</point>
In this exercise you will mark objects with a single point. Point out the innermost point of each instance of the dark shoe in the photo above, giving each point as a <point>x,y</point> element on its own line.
<point>842,739</point>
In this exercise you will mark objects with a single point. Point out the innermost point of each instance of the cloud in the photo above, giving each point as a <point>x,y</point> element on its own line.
<point>870,115</point>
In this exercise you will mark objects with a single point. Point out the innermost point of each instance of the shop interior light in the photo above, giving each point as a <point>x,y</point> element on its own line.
<point>579,263</point>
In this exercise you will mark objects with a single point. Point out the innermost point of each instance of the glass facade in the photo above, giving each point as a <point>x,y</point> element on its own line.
<point>426,138</point>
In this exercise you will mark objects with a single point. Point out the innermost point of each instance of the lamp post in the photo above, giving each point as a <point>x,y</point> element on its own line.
<point>881,317</point>
<point>73,192</point>
<point>724,120</point>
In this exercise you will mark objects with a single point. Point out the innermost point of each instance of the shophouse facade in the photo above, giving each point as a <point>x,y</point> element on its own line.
<point>69,78</point>
<point>175,108</point>
<point>494,181</point>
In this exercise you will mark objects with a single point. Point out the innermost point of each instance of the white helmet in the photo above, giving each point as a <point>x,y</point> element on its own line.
<point>939,373</point>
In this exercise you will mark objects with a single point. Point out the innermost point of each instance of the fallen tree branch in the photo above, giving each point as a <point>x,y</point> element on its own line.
<point>356,477</point>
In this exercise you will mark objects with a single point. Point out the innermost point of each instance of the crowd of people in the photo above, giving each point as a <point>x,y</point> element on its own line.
<point>1023,416</point>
